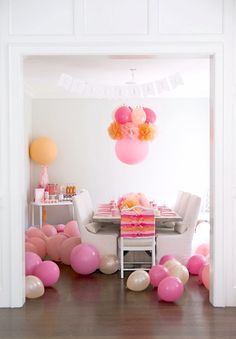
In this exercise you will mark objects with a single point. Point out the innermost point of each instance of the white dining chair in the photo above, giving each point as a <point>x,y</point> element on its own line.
<point>137,233</point>
<point>103,237</point>
<point>178,242</point>
<point>177,207</point>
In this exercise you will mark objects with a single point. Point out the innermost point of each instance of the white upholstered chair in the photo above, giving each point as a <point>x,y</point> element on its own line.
<point>104,238</point>
<point>178,242</point>
<point>137,233</point>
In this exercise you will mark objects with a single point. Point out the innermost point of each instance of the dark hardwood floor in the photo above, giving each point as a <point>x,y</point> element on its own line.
<point>100,306</point>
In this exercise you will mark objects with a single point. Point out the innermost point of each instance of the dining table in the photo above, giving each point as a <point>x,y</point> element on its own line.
<point>108,213</point>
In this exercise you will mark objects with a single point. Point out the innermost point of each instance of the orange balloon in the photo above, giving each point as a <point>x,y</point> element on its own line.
<point>66,248</point>
<point>43,151</point>
<point>206,276</point>
<point>54,244</point>
<point>40,245</point>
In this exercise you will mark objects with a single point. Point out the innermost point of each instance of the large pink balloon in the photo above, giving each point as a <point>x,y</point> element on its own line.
<point>67,247</point>
<point>49,230</point>
<point>166,258</point>
<point>72,229</point>
<point>150,115</point>
<point>40,245</point>
<point>84,259</point>
<point>195,263</point>
<point>170,289</point>
<point>31,261</point>
<point>48,272</point>
<point>123,114</point>
<point>131,151</point>
<point>157,273</point>
<point>54,246</point>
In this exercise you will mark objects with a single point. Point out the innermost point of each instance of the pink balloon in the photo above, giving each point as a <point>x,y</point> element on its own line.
<point>203,249</point>
<point>72,229</point>
<point>195,263</point>
<point>170,289</point>
<point>150,115</point>
<point>29,247</point>
<point>60,228</point>
<point>48,272</point>
<point>131,151</point>
<point>32,260</point>
<point>84,259</point>
<point>40,246</point>
<point>206,276</point>
<point>166,258</point>
<point>157,273</point>
<point>123,114</point>
<point>67,247</point>
<point>35,232</point>
<point>54,246</point>
<point>26,237</point>
<point>49,230</point>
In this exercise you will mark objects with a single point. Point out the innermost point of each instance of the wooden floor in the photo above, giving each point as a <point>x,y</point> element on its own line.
<point>99,306</point>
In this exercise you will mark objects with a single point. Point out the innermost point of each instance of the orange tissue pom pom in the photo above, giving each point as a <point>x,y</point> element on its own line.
<point>114,130</point>
<point>147,132</point>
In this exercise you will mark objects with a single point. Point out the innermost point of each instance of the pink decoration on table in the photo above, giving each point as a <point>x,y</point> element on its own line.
<point>130,130</point>
<point>131,151</point>
<point>43,177</point>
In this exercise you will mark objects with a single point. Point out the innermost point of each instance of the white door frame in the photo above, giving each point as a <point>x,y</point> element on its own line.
<point>220,279</point>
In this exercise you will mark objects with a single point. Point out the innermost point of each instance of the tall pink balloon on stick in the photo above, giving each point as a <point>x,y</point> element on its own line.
<point>131,151</point>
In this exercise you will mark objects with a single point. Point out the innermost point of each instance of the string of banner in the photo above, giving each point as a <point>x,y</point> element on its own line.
<point>149,89</point>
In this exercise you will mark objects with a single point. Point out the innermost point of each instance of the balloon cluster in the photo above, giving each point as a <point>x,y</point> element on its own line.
<point>131,127</point>
<point>56,242</point>
<point>170,276</point>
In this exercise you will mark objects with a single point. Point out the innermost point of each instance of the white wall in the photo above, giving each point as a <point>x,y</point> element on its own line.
<point>177,159</point>
<point>28,175</point>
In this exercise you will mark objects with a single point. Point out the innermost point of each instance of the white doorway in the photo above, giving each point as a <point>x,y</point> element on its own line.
<point>16,97</point>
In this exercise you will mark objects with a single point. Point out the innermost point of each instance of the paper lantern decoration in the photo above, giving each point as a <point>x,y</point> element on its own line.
<point>43,151</point>
<point>132,128</point>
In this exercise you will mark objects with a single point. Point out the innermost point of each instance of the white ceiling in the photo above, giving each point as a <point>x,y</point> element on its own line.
<point>43,75</point>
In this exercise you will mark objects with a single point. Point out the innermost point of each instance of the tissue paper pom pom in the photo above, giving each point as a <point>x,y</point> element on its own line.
<point>146,132</point>
<point>130,130</point>
<point>114,130</point>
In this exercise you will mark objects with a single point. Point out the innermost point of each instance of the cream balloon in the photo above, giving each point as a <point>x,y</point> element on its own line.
<point>181,272</point>
<point>33,287</point>
<point>109,264</point>
<point>138,116</point>
<point>138,281</point>
<point>171,263</point>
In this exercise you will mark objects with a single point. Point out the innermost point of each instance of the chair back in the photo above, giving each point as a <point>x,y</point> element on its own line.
<point>83,210</point>
<point>184,199</point>
<point>137,221</point>
<point>177,205</point>
<point>192,211</point>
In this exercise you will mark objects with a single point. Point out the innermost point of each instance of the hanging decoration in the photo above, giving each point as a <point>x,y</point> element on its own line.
<point>132,128</point>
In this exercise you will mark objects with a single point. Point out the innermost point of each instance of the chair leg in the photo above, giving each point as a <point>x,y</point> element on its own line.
<point>153,254</point>
<point>121,263</point>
